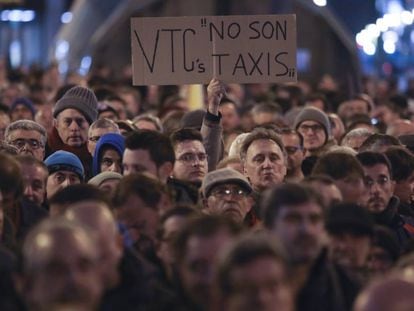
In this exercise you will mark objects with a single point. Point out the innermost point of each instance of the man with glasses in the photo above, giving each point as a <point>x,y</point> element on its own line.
<point>191,158</point>
<point>293,142</point>
<point>381,202</point>
<point>28,137</point>
<point>73,114</point>
<point>313,124</point>
<point>99,128</point>
<point>226,192</point>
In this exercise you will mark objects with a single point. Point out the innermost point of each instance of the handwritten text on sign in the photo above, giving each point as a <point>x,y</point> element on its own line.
<point>186,50</point>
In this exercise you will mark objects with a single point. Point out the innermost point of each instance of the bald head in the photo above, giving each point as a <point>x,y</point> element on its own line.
<point>93,214</point>
<point>395,292</point>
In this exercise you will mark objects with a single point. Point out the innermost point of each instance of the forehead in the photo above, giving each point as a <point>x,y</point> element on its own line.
<point>66,173</point>
<point>310,122</point>
<point>99,131</point>
<point>290,138</point>
<point>357,102</point>
<point>109,151</point>
<point>260,146</point>
<point>33,170</point>
<point>377,169</point>
<point>302,209</point>
<point>20,133</point>
<point>53,247</point>
<point>138,156</point>
<point>190,146</point>
<point>70,113</point>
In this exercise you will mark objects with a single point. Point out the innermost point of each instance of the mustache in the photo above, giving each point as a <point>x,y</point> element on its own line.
<point>304,239</point>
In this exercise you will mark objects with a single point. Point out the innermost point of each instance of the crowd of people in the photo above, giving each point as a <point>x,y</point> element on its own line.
<point>268,197</point>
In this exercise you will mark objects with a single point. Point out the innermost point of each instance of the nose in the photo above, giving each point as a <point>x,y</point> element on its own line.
<point>374,188</point>
<point>115,167</point>
<point>267,162</point>
<point>28,191</point>
<point>74,126</point>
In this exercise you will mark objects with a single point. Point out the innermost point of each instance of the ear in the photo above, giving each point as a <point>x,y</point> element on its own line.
<point>164,171</point>
<point>393,185</point>
<point>55,123</point>
<point>204,202</point>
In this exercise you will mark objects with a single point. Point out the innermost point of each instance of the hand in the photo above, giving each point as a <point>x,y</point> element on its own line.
<point>215,92</point>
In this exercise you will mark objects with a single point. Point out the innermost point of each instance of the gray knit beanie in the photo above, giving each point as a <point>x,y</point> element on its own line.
<point>314,114</point>
<point>79,98</point>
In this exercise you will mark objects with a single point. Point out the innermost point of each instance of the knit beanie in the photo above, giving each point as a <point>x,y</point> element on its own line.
<point>314,114</point>
<point>65,161</point>
<point>81,99</point>
<point>25,102</point>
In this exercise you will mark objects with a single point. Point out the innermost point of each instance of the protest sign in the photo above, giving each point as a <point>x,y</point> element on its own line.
<point>189,50</point>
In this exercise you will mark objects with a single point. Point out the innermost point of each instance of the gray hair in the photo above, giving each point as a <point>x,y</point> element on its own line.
<point>104,124</point>
<point>150,118</point>
<point>26,125</point>
<point>355,133</point>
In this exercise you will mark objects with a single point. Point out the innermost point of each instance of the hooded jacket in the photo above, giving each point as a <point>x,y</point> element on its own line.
<point>111,140</point>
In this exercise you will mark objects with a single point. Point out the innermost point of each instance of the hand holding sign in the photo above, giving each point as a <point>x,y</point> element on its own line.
<point>215,92</point>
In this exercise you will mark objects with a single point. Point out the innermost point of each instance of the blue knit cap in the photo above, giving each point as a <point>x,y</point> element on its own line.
<point>65,161</point>
<point>25,102</point>
<point>111,140</point>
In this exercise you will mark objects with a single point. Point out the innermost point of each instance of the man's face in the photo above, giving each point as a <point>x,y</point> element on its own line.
<point>59,180</point>
<point>230,200</point>
<point>94,135</point>
<point>111,161</point>
<point>380,187</point>
<point>349,250</point>
<point>191,163</point>
<point>301,231</point>
<point>65,279</point>
<point>138,161</point>
<point>28,143</point>
<point>259,285</point>
<point>170,229</point>
<point>313,134</point>
<point>106,238</point>
<point>265,164</point>
<point>140,220</point>
<point>119,108</point>
<point>197,269</point>
<point>357,106</point>
<point>294,151</point>
<point>34,178</point>
<point>72,127</point>
<point>230,118</point>
<point>352,188</point>
<point>404,189</point>
<point>21,112</point>
<point>330,194</point>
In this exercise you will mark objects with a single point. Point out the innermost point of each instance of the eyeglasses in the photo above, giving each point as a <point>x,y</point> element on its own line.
<point>191,157</point>
<point>381,181</point>
<point>292,149</point>
<point>315,128</point>
<point>21,143</point>
<point>224,191</point>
